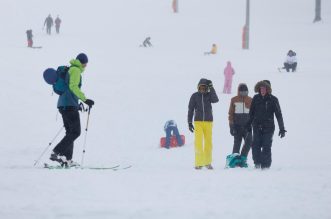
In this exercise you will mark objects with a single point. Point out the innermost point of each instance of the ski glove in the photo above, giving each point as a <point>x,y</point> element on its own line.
<point>282,133</point>
<point>191,127</point>
<point>233,130</point>
<point>209,83</point>
<point>89,102</point>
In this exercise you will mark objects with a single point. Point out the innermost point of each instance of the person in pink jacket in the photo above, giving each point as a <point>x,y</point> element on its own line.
<point>228,74</point>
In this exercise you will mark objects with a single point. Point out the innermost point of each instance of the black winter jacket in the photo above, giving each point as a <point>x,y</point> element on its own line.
<point>262,112</point>
<point>200,105</point>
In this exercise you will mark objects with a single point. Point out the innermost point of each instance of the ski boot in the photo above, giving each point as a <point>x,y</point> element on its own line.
<point>209,167</point>
<point>71,163</point>
<point>198,167</point>
<point>58,158</point>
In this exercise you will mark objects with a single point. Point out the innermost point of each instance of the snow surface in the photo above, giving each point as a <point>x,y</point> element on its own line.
<point>137,89</point>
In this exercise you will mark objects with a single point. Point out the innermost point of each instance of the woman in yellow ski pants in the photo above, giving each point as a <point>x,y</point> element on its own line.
<point>200,108</point>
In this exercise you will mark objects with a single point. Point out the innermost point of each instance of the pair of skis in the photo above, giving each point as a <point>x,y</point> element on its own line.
<point>115,168</point>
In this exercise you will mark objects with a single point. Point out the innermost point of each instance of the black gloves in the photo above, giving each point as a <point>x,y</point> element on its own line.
<point>282,133</point>
<point>209,84</point>
<point>89,102</point>
<point>233,130</point>
<point>191,127</point>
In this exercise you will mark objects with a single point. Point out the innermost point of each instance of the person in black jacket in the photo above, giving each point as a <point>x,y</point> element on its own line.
<point>200,107</point>
<point>263,108</point>
<point>48,23</point>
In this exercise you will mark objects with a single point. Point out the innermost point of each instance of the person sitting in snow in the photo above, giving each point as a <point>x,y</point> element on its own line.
<point>213,50</point>
<point>147,42</point>
<point>291,61</point>
<point>171,129</point>
<point>238,117</point>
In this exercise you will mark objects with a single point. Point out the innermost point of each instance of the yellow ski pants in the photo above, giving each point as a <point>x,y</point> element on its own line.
<point>203,143</point>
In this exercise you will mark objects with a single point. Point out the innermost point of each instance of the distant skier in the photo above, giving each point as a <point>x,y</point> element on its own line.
<point>263,108</point>
<point>48,23</point>
<point>291,61</point>
<point>213,50</point>
<point>238,117</point>
<point>147,42</point>
<point>68,107</point>
<point>57,24</point>
<point>29,38</point>
<point>171,129</point>
<point>228,74</point>
<point>200,107</point>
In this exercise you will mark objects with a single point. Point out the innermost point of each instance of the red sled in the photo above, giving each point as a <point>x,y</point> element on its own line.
<point>173,141</point>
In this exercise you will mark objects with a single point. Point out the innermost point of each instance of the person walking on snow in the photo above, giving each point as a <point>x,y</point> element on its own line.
<point>238,117</point>
<point>29,38</point>
<point>69,107</point>
<point>200,106</point>
<point>261,116</point>
<point>57,24</point>
<point>49,23</point>
<point>170,129</point>
<point>228,74</point>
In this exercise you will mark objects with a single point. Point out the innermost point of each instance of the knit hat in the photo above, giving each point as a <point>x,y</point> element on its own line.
<point>82,57</point>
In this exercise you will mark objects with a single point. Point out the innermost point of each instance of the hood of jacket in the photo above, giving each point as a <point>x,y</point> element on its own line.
<point>203,81</point>
<point>76,63</point>
<point>240,85</point>
<point>260,84</point>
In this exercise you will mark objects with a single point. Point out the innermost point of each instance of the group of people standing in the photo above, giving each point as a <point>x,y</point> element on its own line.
<point>49,23</point>
<point>250,119</point>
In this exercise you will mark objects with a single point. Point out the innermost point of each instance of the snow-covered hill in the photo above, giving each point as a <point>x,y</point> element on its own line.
<point>137,89</point>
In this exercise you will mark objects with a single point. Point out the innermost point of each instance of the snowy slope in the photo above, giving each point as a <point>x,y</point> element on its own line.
<point>136,90</point>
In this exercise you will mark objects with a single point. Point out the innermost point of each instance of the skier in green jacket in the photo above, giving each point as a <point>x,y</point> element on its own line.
<point>69,108</point>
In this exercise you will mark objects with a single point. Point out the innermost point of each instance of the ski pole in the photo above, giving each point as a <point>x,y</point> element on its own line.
<point>46,149</point>
<point>86,129</point>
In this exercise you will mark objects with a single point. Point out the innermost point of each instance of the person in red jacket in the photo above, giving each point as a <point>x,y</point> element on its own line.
<point>57,24</point>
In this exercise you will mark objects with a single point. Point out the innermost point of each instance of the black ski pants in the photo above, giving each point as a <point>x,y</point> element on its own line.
<point>261,147</point>
<point>290,66</point>
<point>71,122</point>
<point>242,134</point>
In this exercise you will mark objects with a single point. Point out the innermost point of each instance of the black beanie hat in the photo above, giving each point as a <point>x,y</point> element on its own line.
<point>82,57</point>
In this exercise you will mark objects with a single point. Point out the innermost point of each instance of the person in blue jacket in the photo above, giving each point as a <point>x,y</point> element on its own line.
<point>171,129</point>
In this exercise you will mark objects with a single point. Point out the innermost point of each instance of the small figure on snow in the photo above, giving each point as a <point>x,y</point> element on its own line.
<point>228,74</point>
<point>69,109</point>
<point>261,116</point>
<point>213,50</point>
<point>29,38</point>
<point>290,61</point>
<point>57,24</point>
<point>147,43</point>
<point>238,117</point>
<point>48,23</point>
<point>200,106</point>
<point>171,129</point>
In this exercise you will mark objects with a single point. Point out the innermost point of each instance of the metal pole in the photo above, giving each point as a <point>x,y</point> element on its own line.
<point>318,6</point>
<point>46,149</point>
<point>247,23</point>
<point>86,129</point>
